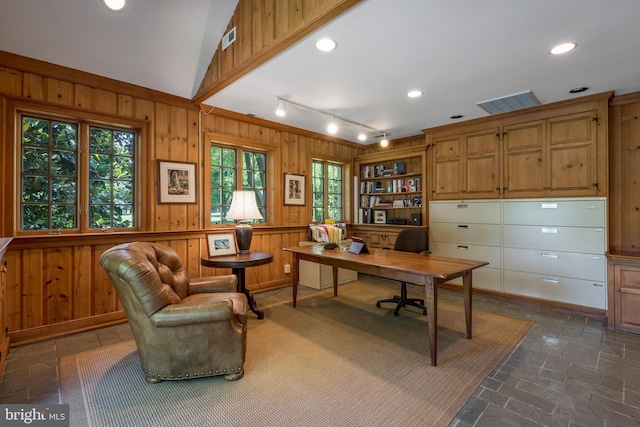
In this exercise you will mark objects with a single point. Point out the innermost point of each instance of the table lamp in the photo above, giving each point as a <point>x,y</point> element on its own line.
<point>244,207</point>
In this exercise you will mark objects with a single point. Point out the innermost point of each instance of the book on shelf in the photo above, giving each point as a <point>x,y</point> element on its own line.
<point>399,168</point>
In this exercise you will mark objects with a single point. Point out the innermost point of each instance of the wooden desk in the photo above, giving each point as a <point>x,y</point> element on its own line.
<point>425,270</point>
<point>237,263</point>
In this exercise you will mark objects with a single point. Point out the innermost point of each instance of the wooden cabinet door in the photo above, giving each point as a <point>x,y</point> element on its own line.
<point>448,170</point>
<point>376,240</point>
<point>627,297</point>
<point>524,160</point>
<point>482,171</point>
<point>572,154</point>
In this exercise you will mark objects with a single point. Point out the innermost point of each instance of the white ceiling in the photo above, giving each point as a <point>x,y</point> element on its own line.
<point>459,53</point>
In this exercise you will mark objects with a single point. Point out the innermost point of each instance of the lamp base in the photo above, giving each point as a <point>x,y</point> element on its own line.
<point>244,233</point>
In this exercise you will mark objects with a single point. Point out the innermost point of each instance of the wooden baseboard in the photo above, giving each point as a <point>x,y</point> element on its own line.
<point>41,333</point>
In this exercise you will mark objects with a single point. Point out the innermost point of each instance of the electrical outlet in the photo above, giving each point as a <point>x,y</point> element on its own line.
<point>287,268</point>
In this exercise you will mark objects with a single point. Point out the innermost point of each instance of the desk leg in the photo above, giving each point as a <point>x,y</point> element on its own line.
<point>466,294</point>
<point>242,288</point>
<point>296,277</point>
<point>431,303</point>
<point>335,281</point>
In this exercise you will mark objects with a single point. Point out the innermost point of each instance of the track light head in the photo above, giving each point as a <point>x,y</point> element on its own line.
<point>362,135</point>
<point>280,107</point>
<point>384,141</point>
<point>332,128</point>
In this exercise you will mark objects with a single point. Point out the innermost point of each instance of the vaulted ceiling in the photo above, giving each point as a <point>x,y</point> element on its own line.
<point>458,53</point>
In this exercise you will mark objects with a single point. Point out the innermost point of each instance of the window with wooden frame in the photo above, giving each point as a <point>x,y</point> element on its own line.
<point>327,187</point>
<point>75,175</point>
<point>236,168</point>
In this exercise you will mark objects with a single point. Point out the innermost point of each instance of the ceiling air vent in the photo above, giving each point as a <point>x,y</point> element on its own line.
<point>509,103</point>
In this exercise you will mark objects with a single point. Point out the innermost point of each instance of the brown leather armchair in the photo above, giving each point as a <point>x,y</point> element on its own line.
<point>183,328</point>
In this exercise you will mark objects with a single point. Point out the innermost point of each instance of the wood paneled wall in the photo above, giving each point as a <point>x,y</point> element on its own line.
<point>55,284</point>
<point>264,28</point>
<point>624,166</point>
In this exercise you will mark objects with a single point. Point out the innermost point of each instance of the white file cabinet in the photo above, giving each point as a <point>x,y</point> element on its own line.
<point>469,230</point>
<point>554,249</point>
<point>320,276</point>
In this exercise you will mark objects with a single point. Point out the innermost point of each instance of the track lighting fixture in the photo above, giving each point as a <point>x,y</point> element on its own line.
<point>362,135</point>
<point>384,141</point>
<point>332,128</point>
<point>280,107</point>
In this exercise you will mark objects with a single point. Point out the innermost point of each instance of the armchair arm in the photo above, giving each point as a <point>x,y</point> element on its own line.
<point>226,283</point>
<point>188,314</point>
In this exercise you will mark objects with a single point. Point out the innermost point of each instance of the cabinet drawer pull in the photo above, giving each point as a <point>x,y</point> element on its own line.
<point>549,230</point>
<point>549,205</point>
<point>463,227</point>
<point>549,280</point>
<point>549,255</point>
<point>594,257</point>
<point>591,207</point>
<point>464,248</point>
<point>598,230</point>
<point>599,285</point>
<point>464,206</point>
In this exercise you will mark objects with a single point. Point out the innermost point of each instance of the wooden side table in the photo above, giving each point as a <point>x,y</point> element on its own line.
<point>238,263</point>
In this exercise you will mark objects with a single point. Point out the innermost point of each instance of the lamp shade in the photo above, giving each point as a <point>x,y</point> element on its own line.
<point>244,206</point>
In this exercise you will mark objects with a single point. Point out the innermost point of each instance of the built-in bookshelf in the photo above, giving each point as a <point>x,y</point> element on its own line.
<point>390,188</point>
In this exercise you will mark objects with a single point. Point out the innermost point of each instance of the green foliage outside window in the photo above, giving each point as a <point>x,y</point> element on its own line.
<point>224,173</point>
<point>254,177</point>
<point>111,178</point>
<point>327,194</point>
<point>49,174</point>
<point>50,194</point>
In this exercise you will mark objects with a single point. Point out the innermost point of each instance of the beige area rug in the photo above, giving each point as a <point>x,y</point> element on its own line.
<point>329,362</point>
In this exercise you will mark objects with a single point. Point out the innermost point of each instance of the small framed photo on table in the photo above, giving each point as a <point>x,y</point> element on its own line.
<point>176,182</point>
<point>379,217</point>
<point>221,244</point>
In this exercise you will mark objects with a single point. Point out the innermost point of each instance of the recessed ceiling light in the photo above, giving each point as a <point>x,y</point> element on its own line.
<point>326,45</point>
<point>457,116</point>
<point>578,89</point>
<point>115,4</point>
<point>414,93</point>
<point>563,48</point>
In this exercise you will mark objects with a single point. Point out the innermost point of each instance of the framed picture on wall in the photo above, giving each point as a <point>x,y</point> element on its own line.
<point>176,182</point>
<point>221,244</point>
<point>294,189</point>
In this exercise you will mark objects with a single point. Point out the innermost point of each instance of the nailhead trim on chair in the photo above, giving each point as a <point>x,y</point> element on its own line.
<point>195,374</point>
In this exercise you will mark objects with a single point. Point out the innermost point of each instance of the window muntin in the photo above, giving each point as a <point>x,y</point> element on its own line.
<point>51,165</point>
<point>327,183</point>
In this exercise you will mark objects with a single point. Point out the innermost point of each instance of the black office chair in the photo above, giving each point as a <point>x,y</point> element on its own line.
<point>409,240</point>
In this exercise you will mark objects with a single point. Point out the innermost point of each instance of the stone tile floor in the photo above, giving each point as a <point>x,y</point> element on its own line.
<point>568,370</point>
